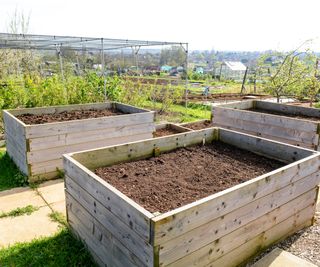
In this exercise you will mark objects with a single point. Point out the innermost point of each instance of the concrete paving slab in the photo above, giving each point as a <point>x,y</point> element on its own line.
<point>18,198</point>
<point>27,227</point>
<point>281,258</point>
<point>52,191</point>
<point>59,207</point>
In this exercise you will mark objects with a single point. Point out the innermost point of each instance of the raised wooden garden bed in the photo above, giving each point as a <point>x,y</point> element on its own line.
<point>285,123</point>
<point>221,229</point>
<point>198,125</point>
<point>37,147</point>
<point>165,129</point>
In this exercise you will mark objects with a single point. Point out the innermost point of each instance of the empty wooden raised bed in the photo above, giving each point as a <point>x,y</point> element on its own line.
<point>37,148</point>
<point>222,229</point>
<point>285,123</point>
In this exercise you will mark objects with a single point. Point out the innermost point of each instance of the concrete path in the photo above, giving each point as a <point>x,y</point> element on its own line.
<point>281,258</point>
<point>48,197</point>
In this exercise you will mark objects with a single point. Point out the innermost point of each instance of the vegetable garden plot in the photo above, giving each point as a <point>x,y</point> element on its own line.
<point>37,147</point>
<point>220,229</point>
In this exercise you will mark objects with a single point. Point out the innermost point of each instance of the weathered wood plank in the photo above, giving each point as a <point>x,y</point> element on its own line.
<point>181,220</point>
<point>16,155</point>
<point>272,130</point>
<point>227,243</point>
<point>136,150</point>
<point>130,109</point>
<point>59,109</point>
<point>289,199</point>
<point>119,230</point>
<point>120,205</point>
<point>237,105</point>
<point>89,136</point>
<point>57,128</point>
<point>268,148</point>
<point>266,119</point>
<point>57,152</point>
<point>265,239</point>
<point>40,168</point>
<point>289,109</point>
<point>275,138</point>
<point>176,127</point>
<point>102,235</point>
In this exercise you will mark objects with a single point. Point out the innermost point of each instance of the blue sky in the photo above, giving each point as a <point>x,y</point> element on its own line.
<point>222,25</point>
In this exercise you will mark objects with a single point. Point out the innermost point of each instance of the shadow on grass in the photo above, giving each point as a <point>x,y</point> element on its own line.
<point>10,176</point>
<point>58,251</point>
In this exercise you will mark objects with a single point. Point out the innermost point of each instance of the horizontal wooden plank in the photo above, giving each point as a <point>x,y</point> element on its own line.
<point>142,149</point>
<point>57,128</point>
<point>45,176</point>
<point>234,239</point>
<point>100,243</point>
<point>289,109</point>
<point>138,245</point>
<point>16,155</point>
<point>120,205</point>
<point>217,229</point>
<point>265,147</point>
<point>176,127</point>
<point>59,109</point>
<point>57,152</point>
<point>269,129</point>
<point>265,239</point>
<point>104,237</point>
<point>14,129</point>
<point>265,119</point>
<point>89,136</point>
<point>181,220</point>
<point>247,104</point>
<point>275,138</point>
<point>129,108</point>
<point>46,166</point>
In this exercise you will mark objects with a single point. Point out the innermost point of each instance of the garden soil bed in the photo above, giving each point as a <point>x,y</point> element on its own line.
<point>272,112</point>
<point>67,116</point>
<point>187,174</point>
<point>165,131</point>
<point>304,244</point>
<point>199,125</point>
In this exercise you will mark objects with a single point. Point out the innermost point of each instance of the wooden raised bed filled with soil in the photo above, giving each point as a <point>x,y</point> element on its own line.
<point>165,129</point>
<point>197,125</point>
<point>36,138</point>
<point>212,197</point>
<point>285,123</point>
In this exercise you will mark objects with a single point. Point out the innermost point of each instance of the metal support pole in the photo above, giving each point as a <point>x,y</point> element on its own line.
<point>186,70</point>
<point>62,72</point>
<point>103,72</point>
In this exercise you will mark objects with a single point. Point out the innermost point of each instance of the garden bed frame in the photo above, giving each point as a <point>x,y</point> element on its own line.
<point>300,132</point>
<point>178,128</point>
<point>37,149</point>
<point>223,229</point>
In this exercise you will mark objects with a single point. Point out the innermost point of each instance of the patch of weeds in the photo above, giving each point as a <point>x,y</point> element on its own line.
<point>10,176</point>
<point>60,173</point>
<point>60,250</point>
<point>58,217</point>
<point>19,211</point>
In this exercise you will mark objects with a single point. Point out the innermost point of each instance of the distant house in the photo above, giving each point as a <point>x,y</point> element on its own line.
<point>165,68</point>
<point>198,70</point>
<point>232,70</point>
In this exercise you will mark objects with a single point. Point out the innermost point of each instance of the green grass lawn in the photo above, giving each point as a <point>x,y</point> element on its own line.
<point>10,176</point>
<point>60,250</point>
<point>179,113</point>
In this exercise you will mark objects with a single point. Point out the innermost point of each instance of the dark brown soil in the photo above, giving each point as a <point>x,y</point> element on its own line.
<point>284,114</point>
<point>187,174</point>
<point>199,125</point>
<point>67,116</point>
<point>165,131</point>
<point>304,244</point>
